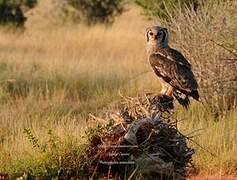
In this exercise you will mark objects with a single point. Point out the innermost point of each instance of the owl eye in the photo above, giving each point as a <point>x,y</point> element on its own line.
<point>159,34</point>
<point>151,33</point>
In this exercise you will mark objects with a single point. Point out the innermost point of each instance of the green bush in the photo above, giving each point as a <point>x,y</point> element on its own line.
<point>164,8</point>
<point>11,11</point>
<point>93,11</point>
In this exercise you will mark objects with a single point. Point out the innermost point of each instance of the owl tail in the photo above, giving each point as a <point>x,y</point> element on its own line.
<point>182,99</point>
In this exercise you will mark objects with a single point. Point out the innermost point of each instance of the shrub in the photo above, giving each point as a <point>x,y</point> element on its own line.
<point>93,11</point>
<point>11,12</point>
<point>163,8</point>
<point>207,37</point>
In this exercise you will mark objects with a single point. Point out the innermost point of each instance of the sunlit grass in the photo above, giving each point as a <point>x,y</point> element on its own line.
<point>213,140</point>
<point>52,78</point>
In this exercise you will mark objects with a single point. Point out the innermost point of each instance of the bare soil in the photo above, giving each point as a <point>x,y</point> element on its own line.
<point>213,177</point>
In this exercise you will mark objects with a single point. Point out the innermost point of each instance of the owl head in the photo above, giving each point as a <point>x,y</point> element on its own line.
<point>157,36</point>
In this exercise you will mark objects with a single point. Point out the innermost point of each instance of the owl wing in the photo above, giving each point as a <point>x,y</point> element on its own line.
<point>176,56</point>
<point>174,69</point>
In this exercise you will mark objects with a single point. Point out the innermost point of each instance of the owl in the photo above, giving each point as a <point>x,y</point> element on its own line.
<point>171,67</point>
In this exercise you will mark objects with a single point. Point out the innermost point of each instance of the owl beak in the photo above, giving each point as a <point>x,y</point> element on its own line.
<point>155,37</point>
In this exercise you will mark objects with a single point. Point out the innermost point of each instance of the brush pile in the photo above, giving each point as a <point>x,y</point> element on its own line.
<point>142,142</point>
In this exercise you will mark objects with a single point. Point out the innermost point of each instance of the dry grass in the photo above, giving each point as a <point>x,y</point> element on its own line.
<point>214,141</point>
<point>53,76</point>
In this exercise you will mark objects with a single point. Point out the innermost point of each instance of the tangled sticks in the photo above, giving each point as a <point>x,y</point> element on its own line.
<point>142,143</point>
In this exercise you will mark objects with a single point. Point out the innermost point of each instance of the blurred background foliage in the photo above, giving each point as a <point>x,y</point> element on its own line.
<point>93,11</point>
<point>78,11</point>
<point>163,9</point>
<point>12,11</point>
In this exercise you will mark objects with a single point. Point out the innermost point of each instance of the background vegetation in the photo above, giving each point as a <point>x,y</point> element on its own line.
<point>93,11</point>
<point>53,76</point>
<point>162,9</point>
<point>12,11</point>
<point>77,11</point>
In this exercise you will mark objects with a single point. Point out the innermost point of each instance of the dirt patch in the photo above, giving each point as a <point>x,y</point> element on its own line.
<point>213,177</point>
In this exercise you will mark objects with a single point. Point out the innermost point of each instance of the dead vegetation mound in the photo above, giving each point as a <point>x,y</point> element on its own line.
<point>143,142</point>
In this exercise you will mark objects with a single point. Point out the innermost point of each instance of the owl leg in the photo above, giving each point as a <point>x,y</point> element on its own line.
<point>169,91</point>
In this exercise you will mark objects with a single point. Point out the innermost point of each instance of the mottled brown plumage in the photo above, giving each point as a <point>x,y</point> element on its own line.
<point>174,71</point>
